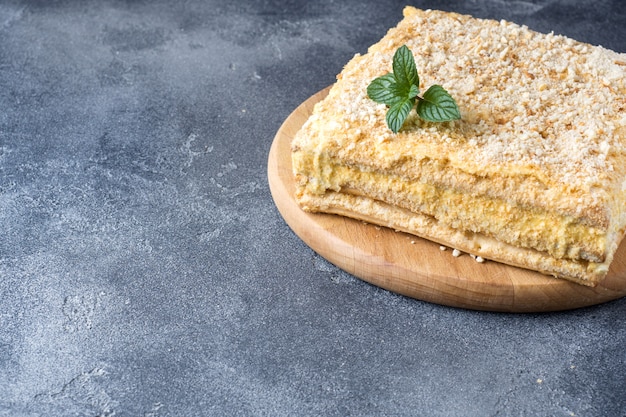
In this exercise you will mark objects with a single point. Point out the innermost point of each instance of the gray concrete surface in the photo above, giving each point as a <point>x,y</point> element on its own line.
<point>144,269</point>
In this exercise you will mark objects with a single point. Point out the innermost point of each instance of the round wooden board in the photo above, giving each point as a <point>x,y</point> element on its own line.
<point>418,268</point>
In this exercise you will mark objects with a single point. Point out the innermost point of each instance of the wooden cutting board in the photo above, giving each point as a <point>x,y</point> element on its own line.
<point>415,267</point>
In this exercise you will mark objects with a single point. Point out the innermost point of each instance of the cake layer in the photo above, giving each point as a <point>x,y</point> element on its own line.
<point>377,212</point>
<point>561,236</point>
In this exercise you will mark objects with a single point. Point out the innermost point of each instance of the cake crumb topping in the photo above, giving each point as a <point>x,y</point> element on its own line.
<point>542,104</point>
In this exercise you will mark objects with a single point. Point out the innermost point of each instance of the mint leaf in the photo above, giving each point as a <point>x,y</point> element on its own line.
<point>383,90</point>
<point>404,69</point>
<point>437,105</point>
<point>399,90</point>
<point>397,114</point>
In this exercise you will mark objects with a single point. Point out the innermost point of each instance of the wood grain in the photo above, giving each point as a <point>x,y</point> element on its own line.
<point>415,267</point>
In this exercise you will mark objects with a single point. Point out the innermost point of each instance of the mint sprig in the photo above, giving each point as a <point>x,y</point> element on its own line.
<point>399,90</point>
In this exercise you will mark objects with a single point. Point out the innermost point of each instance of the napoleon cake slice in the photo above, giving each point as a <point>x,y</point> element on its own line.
<point>534,173</point>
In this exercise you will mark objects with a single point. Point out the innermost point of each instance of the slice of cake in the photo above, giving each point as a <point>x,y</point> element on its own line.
<point>532,175</point>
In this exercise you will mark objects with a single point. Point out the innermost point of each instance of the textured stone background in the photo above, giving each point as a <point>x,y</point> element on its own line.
<point>144,270</point>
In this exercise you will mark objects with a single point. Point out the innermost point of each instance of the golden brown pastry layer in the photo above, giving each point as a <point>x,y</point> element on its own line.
<point>536,167</point>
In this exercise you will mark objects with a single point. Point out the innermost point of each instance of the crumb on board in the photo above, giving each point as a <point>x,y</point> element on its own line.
<point>478,259</point>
